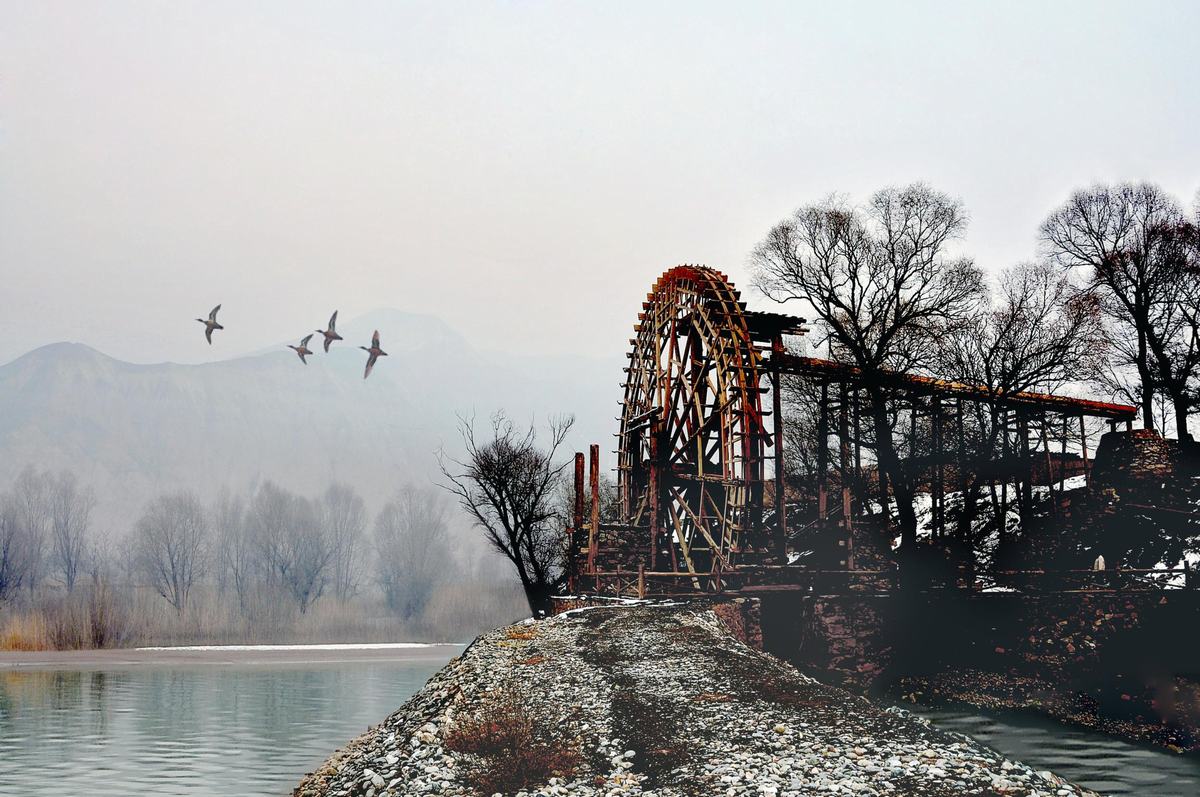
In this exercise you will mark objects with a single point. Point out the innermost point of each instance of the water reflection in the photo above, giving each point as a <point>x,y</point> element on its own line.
<point>1098,761</point>
<point>203,730</point>
<point>212,730</point>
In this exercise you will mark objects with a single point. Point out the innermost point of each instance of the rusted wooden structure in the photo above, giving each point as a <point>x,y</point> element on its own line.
<point>702,493</point>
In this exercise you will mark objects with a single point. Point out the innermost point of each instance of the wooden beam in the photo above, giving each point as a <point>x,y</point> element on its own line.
<point>1087,474</point>
<point>594,530</point>
<point>780,486</point>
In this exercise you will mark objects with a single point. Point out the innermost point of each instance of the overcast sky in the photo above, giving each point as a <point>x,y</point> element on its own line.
<point>524,170</point>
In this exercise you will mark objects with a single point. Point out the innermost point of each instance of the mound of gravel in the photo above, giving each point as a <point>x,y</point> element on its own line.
<point>660,700</point>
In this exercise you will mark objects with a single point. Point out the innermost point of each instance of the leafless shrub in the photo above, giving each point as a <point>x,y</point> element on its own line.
<point>509,751</point>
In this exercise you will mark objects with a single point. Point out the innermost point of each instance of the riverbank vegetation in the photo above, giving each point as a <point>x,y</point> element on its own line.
<point>262,565</point>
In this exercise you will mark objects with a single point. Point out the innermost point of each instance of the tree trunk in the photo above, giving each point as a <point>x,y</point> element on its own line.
<point>889,463</point>
<point>1144,373</point>
<point>539,596</point>
<point>1180,403</point>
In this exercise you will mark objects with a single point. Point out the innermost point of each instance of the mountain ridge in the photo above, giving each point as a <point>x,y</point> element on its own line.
<point>132,430</point>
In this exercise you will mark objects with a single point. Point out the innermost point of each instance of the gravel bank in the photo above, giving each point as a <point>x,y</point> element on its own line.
<point>659,700</point>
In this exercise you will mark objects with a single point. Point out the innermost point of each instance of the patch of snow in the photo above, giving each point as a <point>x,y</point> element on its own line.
<point>328,646</point>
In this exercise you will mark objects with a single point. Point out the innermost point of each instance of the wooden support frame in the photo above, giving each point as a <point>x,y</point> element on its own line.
<point>691,458</point>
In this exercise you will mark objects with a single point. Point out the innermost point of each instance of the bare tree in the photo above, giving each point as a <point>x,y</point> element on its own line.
<point>412,550</point>
<point>310,553</point>
<point>882,287</point>
<point>14,548</point>
<point>234,549</point>
<point>70,517</point>
<point>1175,336</point>
<point>31,499</point>
<point>292,549</point>
<point>345,518</point>
<point>1130,238</point>
<point>508,484</point>
<point>170,541</point>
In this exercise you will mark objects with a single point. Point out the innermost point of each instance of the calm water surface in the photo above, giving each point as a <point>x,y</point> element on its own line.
<point>206,729</point>
<point>1099,762</point>
<point>190,730</point>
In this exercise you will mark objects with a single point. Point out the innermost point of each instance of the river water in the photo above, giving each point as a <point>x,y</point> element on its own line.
<point>1100,762</point>
<point>191,730</point>
<point>240,728</point>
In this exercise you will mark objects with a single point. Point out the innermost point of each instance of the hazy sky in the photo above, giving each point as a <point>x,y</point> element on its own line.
<point>524,170</point>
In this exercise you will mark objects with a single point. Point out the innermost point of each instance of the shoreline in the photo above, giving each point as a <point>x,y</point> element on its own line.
<point>991,692</point>
<point>227,655</point>
<point>645,700</point>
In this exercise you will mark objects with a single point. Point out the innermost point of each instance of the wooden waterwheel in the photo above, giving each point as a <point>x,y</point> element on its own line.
<point>692,438</point>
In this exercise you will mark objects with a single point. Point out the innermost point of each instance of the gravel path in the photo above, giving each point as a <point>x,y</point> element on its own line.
<point>660,700</point>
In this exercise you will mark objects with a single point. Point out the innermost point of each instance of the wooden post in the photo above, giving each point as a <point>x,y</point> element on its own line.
<point>1026,468</point>
<point>939,493</point>
<point>961,453</point>
<point>777,417</point>
<point>822,451</point>
<point>594,531</point>
<point>857,442</point>
<point>1049,466</point>
<point>1087,474</point>
<point>577,517</point>
<point>654,486</point>
<point>641,581</point>
<point>912,432</point>
<point>577,520</point>
<point>1003,519</point>
<point>1062,465</point>
<point>844,451</point>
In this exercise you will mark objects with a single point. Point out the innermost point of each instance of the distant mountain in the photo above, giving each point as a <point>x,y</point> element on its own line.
<point>134,430</point>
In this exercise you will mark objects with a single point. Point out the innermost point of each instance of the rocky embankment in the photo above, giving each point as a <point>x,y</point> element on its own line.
<point>653,700</point>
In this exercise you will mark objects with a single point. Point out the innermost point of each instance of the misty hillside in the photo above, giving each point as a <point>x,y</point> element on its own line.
<point>133,430</point>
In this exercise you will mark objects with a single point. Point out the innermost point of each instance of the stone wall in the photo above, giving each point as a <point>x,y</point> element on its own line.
<point>742,617</point>
<point>867,641</point>
<point>1133,458</point>
<point>841,638</point>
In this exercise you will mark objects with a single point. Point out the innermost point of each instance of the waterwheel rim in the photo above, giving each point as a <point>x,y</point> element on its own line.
<point>693,406</point>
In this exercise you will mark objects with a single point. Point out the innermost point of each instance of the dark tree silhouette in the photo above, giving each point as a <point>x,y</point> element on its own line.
<point>508,484</point>
<point>882,288</point>
<point>1138,249</point>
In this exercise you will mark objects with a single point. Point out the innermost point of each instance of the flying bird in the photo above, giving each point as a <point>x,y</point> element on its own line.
<point>375,353</point>
<point>330,334</point>
<point>210,324</point>
<point>302,350</point>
